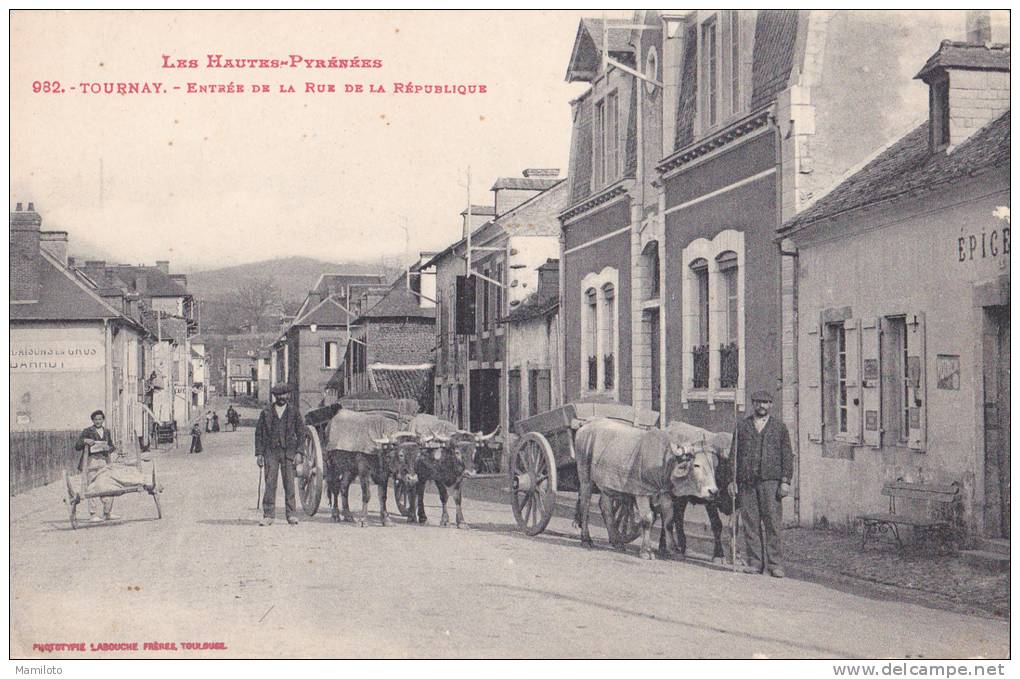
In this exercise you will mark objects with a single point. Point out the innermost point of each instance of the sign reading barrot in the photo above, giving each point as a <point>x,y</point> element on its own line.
<point>56,356</point>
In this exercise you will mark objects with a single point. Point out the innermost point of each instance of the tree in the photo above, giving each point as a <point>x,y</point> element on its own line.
<point>256,297</point>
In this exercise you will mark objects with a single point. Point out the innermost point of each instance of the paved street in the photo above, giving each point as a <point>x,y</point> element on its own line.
<point>208,573</point>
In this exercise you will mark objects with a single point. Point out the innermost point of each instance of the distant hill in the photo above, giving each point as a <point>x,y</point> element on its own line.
<point>295,276</point>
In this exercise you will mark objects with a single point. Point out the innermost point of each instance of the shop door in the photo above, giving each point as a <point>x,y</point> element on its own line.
<point>1003,399</point>
<point>997,428</point>
<point>484,403</point>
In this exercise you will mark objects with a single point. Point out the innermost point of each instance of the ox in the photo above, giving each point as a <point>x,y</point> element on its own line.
<point>356,448</point>
<point>444,461</point>
<point>718,446</point>
<point>623,460</point>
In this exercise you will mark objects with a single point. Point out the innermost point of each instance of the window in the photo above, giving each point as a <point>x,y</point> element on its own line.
<point>709,73</point>
<point>600,335</point>
<point>539,391</point>
<point>701,346</point>
<point>712,330</point>
<point>938,103</point>
<point>733,70</point>
<point>608,339</point>
<point>897,379</point>
<point>485,301</point>
<point>498,291</point>
<point>651,70</point>
<point>330,354</point>
<point>591,338</point>
<point>651,261</point>
<point>606,155</point>
<point>841,390</point>
<point>729,367</point>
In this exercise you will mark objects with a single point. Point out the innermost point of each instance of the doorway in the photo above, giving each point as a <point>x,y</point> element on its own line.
<point>484,400</point>
<point>997,428</point>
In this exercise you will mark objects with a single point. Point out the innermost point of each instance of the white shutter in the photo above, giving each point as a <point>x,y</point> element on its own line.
<point>917,421</point>
<point>871,382</point>
<point>852,330</point>
<point>814,356</point>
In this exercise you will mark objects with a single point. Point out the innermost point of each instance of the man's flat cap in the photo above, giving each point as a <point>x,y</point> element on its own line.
<point>762,396</point>
<point>280,389</point>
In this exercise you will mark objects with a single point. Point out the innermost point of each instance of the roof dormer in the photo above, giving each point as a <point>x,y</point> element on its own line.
<point>586,56</point>
<point>968,87</point>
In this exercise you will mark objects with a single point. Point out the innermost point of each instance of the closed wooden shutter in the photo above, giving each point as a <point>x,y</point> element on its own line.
<point>917,421</point>
<point>852,330</point>
<point>465,312</point>
<point>815,408</point>
<point>871,382</point>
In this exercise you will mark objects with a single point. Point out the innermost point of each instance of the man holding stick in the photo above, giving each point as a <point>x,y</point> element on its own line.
<point>279,442</point>
<point>764,469</point>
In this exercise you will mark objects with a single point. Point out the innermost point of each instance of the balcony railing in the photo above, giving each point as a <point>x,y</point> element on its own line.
<point>593,373</point>
<point>701,361</point>
<point>729,366</point>
<point>609,376</point>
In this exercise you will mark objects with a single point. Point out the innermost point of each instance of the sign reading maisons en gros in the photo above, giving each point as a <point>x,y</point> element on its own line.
<point>56,356</point>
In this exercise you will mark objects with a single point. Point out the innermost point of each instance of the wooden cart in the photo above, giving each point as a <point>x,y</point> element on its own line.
<point>78,492</point>
<point>543,462</point>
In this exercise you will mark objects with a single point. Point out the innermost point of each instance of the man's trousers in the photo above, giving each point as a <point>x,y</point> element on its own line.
<point>274,467</point>
<point>761,518</point>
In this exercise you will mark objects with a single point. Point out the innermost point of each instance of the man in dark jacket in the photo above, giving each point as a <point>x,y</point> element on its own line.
<point>764,459</point>
<point>279,442</point>
<point>96,445</point>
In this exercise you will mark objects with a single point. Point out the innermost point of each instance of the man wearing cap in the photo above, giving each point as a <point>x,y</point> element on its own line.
<point>96,444</point>
<point>764,470</point>
<point>279,442</point>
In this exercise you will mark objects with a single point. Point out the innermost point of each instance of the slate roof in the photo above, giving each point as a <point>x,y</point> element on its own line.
<point>484,210</point>
<point>65,297</point>
<point>775,46</point>
<point>338,280</point>
<point>399,302</point>
<point>585,56</point>
<point>532,307</point>
<point>524,184</point>
<point>965,55</point>
<point>157,283</point>
<point>326,312</point>
<point>909,165</point>
<point>619,40</point>
<point>410,382</point>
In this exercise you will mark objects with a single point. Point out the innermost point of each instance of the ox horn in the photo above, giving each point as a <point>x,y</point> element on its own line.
<point>486,437</point>
<point>380,442</point>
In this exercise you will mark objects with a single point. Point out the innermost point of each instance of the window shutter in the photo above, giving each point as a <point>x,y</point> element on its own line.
<point>815,354</point>
<point>871,382</point>
<point>852,328</point>
<point>917,424</point>
<point>465,312</point>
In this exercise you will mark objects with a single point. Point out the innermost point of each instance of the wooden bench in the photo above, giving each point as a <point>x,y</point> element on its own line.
<point>941,523</point>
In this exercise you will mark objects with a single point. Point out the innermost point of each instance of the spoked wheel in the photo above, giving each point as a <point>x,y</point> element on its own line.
<point>401,493</point>
<point>310,472</point>
<point>621,519</point>
<point>72,501</point>
<point>532,483</point>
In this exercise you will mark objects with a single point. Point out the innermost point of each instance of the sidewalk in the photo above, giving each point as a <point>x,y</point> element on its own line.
<point>835,560</point>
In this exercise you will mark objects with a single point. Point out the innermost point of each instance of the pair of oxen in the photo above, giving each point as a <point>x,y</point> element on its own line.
<point>661,472</point>
<point>376,446</point>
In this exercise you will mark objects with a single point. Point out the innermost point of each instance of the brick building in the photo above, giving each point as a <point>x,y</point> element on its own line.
<point>904,365</point>
<point>311,349</point>
<point>699,135</point>
<point>392,349</point>
<point>471,379</point>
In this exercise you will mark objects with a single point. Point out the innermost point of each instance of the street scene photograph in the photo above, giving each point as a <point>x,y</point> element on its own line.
<point>510,335</point>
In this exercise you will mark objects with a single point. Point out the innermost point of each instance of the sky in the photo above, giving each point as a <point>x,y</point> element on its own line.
<point>208,180</point>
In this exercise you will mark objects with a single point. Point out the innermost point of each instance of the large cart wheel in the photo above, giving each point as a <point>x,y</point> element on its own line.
<point>72,501</point>
<point>310,472</point>
<point>622,520</point>
<point>402,494</point>
<point>532,483</point>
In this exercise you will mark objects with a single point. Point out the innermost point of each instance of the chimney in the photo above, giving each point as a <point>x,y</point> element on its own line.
<point>180,279</point>
<point>509,192</point>
<point>979,26</point>
<point>25,263</point>
<point>968,87</point>
<point>55,243</point>
<point>141,284</point>
<point>549,280</point>
<point>163,265</point>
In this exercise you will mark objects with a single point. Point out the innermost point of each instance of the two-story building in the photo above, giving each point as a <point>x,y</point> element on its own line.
<point>904,305</point>
<point>311,349</point>
<point>243,374</point>
<point>392,346</point>
<point>505,251</point>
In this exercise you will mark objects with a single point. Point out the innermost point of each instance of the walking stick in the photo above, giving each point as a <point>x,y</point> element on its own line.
<point>258,502</point>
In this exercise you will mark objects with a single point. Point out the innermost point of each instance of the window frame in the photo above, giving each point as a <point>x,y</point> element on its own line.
<point>606,344</point>
<point>326,363</point>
